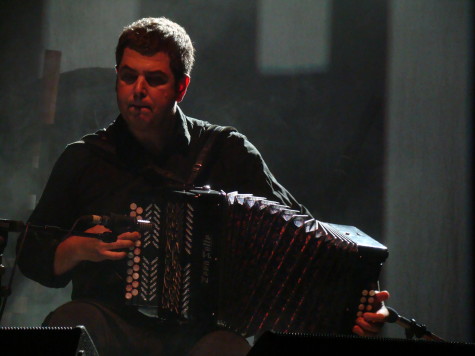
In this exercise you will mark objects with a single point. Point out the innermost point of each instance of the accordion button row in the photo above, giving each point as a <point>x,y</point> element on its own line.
<point>366,301</point>
<point>133,270</point>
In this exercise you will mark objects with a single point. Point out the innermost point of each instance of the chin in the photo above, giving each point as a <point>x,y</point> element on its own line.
<point>139,122</point>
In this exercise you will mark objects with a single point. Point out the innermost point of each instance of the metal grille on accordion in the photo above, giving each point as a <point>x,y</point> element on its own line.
<point>250,264</point>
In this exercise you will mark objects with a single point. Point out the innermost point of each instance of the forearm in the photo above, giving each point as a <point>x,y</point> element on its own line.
<point>36,255</point>
<point>65,258</point>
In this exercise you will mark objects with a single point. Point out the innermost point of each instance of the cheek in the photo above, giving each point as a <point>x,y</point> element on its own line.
<point>165,95</point>
<point>158,98</point>
<point>122,93</point>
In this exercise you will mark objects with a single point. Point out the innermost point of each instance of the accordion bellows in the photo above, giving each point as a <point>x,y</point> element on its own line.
<point>249,264</point>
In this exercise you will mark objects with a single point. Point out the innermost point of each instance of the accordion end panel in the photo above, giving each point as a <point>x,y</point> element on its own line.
<point>171,273</point>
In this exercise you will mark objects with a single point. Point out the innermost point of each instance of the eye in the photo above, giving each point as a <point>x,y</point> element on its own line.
<point>156,79</point>
<point>128,77</point>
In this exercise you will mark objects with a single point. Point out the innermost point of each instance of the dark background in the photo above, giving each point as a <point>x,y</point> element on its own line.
<point>327,134</point>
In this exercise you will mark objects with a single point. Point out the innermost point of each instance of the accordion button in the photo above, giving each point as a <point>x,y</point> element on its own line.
<point>136,259</point>
<point>129,279</point>
<point>361,307</point>
<point>135,276</point>
<point>139,210</point>
<point>138,243</point>
<point>136,268</point>
<point>135,292</point>
<point>363,300</point>
<point>133,206</point>
<point>137,251</point>
<point>133,214</point>
<point>130,263</point>
<point>128,295</point>
<point>128,287</point>
<point>369,307</point>
<point>364,292</point>
<point>135,284</point>
<point>129,271</point>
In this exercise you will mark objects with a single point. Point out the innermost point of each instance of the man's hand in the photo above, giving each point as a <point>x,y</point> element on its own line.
<point>76,249</point>
<point>371,323</point>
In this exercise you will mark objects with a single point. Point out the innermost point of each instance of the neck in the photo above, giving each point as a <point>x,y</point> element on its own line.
<point>156,137</point>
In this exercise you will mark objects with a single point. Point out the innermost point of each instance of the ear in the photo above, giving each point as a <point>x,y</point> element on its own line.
<point>182,87</point>
<point>116,77</point>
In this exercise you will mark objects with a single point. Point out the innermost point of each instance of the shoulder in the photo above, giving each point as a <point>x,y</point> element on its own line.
<point>75,158</point>
<point>231,135</point>
<point>87,151</point>
<point>83,146</point>
<point>238,142</point>
<point>103,140</point>
<point>197,126</point>
<point>231,142</point>
<point>75,149</point>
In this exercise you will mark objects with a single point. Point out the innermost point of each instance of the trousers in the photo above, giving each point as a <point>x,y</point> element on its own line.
<point>123,331</point>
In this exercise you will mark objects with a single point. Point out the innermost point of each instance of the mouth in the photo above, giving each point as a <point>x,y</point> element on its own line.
<point>139,108</point>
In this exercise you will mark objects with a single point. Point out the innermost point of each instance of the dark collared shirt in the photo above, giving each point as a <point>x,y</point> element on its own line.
<point>99,173</point>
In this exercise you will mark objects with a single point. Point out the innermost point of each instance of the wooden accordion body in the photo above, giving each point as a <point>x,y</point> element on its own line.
<point>249,264</point>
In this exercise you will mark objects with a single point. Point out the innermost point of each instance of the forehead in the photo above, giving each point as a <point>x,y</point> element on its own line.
<point>160,61</point>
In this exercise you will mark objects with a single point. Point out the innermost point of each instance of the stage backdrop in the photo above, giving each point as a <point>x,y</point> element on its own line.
<point>360,108</point>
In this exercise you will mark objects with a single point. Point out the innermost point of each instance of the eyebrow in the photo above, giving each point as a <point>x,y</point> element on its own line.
<point>126,67</point>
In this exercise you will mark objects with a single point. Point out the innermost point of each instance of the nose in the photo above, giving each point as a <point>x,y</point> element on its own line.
<point>140,87</point>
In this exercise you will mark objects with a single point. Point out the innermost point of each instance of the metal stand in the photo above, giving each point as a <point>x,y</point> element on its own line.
<point>412,328</point>
<point>5,291</point>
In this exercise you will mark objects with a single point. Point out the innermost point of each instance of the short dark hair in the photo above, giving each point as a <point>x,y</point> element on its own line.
<point>151,35</point>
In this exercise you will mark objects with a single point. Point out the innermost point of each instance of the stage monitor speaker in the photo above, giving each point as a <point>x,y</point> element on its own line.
<point>64,341</point>
<point>276,344</point>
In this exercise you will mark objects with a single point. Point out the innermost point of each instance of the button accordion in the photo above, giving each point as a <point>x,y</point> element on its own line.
<point>249,264</point>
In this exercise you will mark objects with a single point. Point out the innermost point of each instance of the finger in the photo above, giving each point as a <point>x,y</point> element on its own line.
<point>118,245</point>
<point>360,332</point>
<point>114,255</point>
<point>368,326</point>
<point>375,317</point>
<point>98,229</point>
<point>377,312</point>
<point>115,250</point>
<point>133,236</point>
<point>382,296</point>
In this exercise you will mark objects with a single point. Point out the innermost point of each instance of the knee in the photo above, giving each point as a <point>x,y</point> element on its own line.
<point>220,343</point>
<point>75,313</point>
<point>89,315</point>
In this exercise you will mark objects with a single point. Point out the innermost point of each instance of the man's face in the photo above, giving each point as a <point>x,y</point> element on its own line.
<point>147,92</point>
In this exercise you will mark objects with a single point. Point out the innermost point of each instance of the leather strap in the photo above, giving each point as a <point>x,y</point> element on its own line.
<point>213,131</point>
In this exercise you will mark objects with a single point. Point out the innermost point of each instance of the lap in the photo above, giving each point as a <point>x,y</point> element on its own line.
<point>128,332</point>
<point>111,332</point>
<point>221,343</point>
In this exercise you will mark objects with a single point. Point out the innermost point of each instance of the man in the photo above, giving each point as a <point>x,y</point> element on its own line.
<point>151,144</point>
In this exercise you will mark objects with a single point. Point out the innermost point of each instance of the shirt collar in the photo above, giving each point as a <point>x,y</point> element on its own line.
<point>179,143</point>
<point>182,132</point>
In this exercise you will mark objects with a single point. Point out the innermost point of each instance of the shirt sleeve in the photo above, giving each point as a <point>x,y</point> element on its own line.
<point>244,170</point>
<point>36,247</point>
